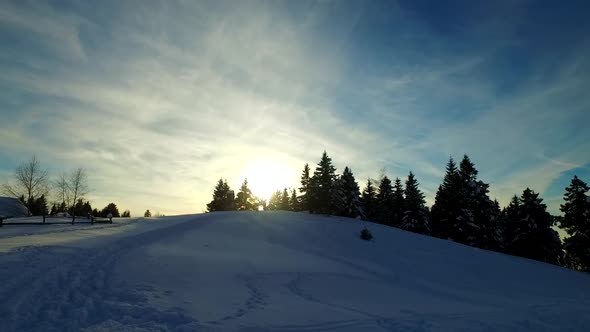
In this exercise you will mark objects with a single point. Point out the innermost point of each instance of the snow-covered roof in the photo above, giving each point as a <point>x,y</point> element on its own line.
<point>12,207</point>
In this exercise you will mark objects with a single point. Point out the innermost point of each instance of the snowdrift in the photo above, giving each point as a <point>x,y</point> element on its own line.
<point>273,271</point>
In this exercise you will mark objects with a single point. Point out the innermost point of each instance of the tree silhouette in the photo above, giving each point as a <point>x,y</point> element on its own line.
<point>531,232</point>
<point>31,182</point>
<point>245,200</point>
<point>347,195</point>
<point>304,189</point>
<point>321,186</point>
<point>223,198</point>
<point>415,217</point>
<point>369,201</point>
<point>576,222</point>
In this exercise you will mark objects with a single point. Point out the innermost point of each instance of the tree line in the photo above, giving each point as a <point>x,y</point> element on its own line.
<point>462,212</point>
<point>32,185</point>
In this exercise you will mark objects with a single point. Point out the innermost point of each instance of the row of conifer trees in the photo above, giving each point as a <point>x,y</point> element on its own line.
<point>462,212</point>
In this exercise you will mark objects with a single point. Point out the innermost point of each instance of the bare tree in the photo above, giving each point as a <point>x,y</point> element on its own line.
<point>63,189</point>
<point>30,182</point>
<point>78,188</point>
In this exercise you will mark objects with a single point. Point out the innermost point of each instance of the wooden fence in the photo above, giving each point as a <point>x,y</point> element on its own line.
<point>45,221</point>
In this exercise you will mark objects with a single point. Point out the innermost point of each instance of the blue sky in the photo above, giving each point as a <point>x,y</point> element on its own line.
<point>159,99</point>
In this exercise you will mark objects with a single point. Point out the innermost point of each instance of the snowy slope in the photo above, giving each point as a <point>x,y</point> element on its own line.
<point>274,271</point>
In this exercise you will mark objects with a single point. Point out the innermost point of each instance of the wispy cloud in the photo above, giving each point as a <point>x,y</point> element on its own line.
<point>159,100</point>
<point>39,22</point>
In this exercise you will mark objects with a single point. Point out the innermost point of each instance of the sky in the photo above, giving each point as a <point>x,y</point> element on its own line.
<point>157,100</point>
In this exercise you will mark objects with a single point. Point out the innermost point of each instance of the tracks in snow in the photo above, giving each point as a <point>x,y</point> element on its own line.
<point>68,289</point>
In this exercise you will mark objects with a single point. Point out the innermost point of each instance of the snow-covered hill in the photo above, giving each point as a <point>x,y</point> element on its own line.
<point>273,271</point>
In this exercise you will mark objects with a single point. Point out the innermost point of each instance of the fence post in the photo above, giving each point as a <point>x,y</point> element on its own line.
<point>43,219</point>
<point>91,220</point>
<point>73,218</point>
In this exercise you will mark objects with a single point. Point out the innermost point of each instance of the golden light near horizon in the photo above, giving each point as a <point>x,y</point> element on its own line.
<point>266,176</point>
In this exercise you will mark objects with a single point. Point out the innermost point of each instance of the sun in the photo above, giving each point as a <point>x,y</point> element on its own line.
<point>265,176</point>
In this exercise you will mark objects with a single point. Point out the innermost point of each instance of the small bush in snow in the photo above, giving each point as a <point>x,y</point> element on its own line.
<point>366,235</point>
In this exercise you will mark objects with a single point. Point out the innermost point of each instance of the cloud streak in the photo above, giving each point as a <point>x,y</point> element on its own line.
<point>159,100</point>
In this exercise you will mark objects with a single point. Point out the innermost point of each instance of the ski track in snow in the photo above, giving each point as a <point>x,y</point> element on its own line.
<point>69,289</point>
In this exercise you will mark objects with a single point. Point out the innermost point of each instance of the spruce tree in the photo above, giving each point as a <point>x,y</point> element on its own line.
<point>384,214</point>
<point>147,214</point>
<point>112,209</point>
<point>304,189</point>
<point>415,217</point>
<point>369,201</point>
<point>476,224</point>
<point>399,206</point>
<point>447,202</point>
<point>285,201</point>
<point>321,186</point>
<point>223,198</point>
<point>531,234</point>
<point>78,208</point>
<point>86,209</point>
<point>576,222</point>
<point>274,203</point>
<point>509,222</point>
<point>245,199</point>
<point>62,207</point>
<point>347,196</point>
<point>38,206</point>
<point>294,202</point>
<point>229,201</point>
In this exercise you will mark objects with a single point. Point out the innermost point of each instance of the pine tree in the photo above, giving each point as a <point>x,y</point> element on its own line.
<point>78,208</point>
<point>508,222</point>
<point>245,199</point>
<point>294,202</point>
<point>304,189</point>
<point>223,198</point>
<point>398,203</point>
<point>38,206</point>
<point>274,203</point>
<point>86,209</point>
<point>321,186</point>
<point>576,222</point>
<point>415,218</point>
<point>112,209</point>
<point>476,224</point>
<point>126,214</point>
<point>447,202</point>
<point>369,201</point>
<point>53,209</point>
<point>285,204</point>
<point>531,234</point>
<point>147,213</point>
<point>230,199</point>
<point>62,207</point>
<point>384,197</point>
<point>347,196</point>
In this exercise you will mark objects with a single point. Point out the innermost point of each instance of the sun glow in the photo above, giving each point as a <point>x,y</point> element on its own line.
<point>267,176</point>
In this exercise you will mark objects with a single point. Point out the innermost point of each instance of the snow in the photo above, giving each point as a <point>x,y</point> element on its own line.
<point>273,271</point>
